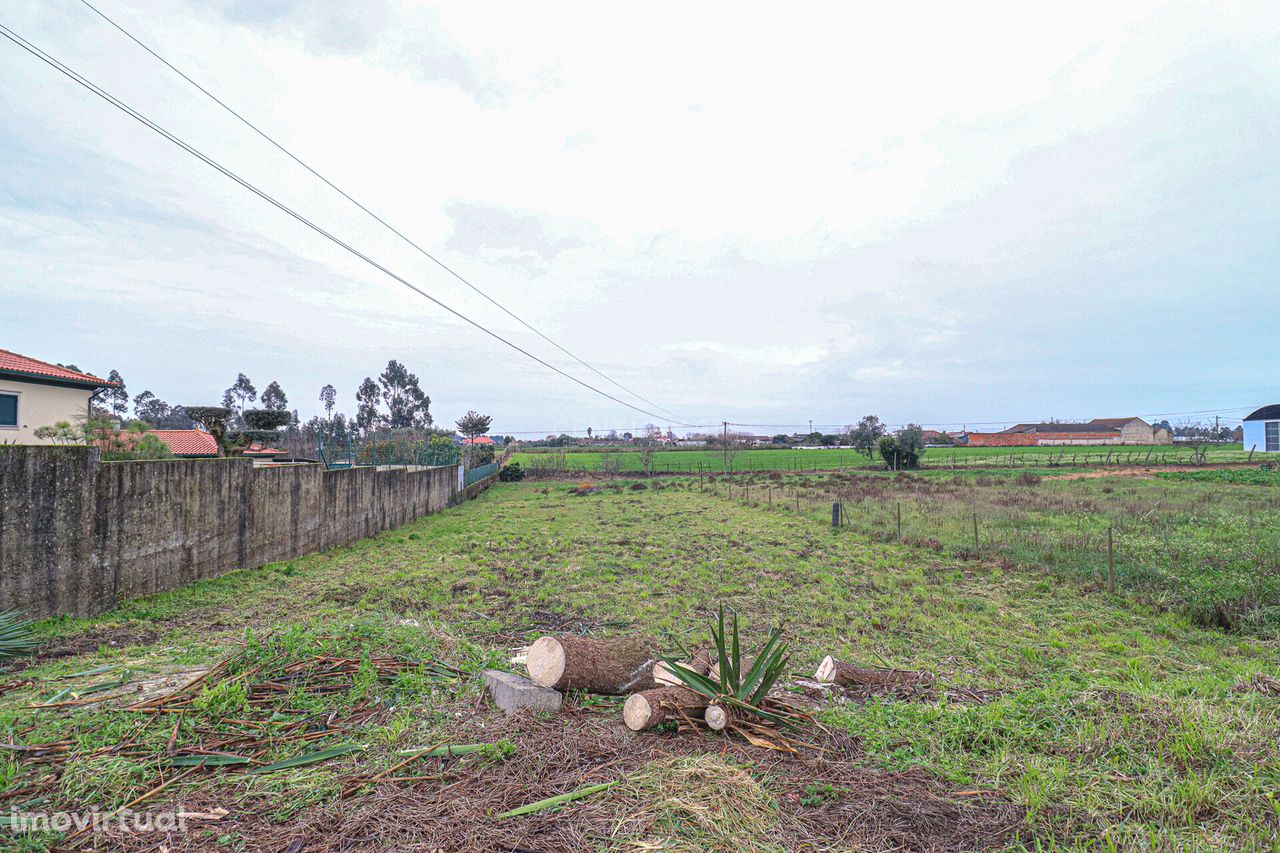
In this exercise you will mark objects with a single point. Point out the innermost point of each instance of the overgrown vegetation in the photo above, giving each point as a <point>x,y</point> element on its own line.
<point>1099,721</point>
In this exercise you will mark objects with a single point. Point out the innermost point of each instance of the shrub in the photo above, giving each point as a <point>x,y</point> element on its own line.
<point>513,473</point>
<point>900,452</point>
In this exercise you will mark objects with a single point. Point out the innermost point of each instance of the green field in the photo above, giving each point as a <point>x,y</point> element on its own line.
<point>691,461</point>
<point>1064,716</point>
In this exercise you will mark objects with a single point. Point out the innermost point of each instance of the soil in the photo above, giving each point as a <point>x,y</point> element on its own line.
<point>454,808</point>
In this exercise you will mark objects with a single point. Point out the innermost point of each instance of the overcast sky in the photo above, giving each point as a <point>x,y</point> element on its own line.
<point>762,213</point>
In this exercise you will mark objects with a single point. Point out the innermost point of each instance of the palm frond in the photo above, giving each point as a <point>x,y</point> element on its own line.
<point>742,689</point>
<point>16,635</point>
<point>694,681</point>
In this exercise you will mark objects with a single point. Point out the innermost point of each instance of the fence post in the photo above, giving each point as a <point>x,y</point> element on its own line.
<point>975,532</point>
<point>1111,562</point>
<point>835,515</point>
<point>899,505</point>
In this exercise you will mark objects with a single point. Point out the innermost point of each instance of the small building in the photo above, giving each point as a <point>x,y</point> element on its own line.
<point>481,440</point>
<point>1262,429</point>
<point>1054,433</point>
<point>36,394</point>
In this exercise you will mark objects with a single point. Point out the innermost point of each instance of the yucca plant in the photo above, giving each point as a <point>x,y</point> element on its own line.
<point>16,635</point>
<point>745,690</point>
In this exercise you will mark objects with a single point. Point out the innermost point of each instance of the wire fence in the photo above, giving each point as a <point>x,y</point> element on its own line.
<point>637,463</point>
<point>1214,553</point>
<point>410,448</point>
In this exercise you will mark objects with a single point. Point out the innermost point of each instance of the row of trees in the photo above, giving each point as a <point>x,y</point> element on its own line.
<point>390,406</point>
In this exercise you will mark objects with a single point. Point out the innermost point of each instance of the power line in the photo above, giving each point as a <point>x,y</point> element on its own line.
<point>130,111</point>
<point>375,216</point>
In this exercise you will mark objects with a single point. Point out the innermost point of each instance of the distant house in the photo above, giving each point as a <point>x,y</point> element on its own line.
<point>261,455</point>
<point>479,439</point>
<point>1097,431</point>
<point>35,394</point>
<point>1262,429</point>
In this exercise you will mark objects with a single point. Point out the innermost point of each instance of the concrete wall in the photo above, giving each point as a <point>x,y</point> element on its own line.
<point>42,405</point>
<point>1137,431</point>
<point>77,536</point>
<point>1001,439</point>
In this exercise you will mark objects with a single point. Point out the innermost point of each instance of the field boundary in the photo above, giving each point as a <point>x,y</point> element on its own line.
<point>78,536</point>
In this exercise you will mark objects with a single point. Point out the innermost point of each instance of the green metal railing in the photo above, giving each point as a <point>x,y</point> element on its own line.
<point>479,473</point>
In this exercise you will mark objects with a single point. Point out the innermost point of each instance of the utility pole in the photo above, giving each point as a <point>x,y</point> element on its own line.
<point>725,444</point>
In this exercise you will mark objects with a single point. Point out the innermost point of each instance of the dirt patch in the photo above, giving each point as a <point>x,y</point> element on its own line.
<point>90,641</point>
<point>823,798</point>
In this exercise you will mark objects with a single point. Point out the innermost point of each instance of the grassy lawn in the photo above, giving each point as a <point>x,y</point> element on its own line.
<point>1065,717</point>
<point>629,460</point>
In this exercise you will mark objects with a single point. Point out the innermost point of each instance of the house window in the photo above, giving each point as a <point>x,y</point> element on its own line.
<point>1273,436</point>
<point>8,410</point>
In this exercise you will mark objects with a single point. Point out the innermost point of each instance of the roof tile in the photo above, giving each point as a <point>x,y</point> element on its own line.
<point>15,363</point>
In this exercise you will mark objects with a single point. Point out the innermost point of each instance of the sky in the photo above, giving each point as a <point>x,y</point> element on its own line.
<point>948,214</point>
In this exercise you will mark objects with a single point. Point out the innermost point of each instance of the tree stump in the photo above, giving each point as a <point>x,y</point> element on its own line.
<point>614,667</point>
<point>653,707</point>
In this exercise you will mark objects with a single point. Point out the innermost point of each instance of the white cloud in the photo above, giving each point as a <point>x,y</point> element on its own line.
<point>816,208</point>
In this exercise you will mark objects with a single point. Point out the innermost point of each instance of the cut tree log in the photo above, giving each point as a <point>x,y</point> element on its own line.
<point>832,671</point>
<point>700,663</point>
<point>653,707</point>
<point>718,717</point>
<point>614,667</point>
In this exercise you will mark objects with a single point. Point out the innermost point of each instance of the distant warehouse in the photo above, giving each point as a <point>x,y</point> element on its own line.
<point>1262,430</point>
<point>1096,431</point>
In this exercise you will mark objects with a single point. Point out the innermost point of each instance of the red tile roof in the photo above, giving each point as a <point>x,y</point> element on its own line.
<point>259,450</point>
<point>187,442</point>
<point>480,439</point>
<point>12,362</point>
<point>182,442</point>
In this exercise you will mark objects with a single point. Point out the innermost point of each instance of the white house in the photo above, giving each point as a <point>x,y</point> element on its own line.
<point>1262,429</point>
<point>36,393</point>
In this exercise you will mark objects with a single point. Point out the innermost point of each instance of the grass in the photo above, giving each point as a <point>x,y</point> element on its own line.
<point>1186,543</point>
<point>1260,476</point>
<point>692,460</point>
<point>1112,721</point>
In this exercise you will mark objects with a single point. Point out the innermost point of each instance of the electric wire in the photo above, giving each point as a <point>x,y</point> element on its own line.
<point>133,113</point>
<point>362,207</point>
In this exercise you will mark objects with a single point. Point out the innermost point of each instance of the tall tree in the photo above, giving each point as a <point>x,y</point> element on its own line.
<point>273,397</point>
<point>866,435</point>
<point>407,406</point>
<point>116,397</point>
<point>150,408</point>
<point>473,424</point>
<point>367,397</point>
<point>242,391</point>
<point>329,397</point>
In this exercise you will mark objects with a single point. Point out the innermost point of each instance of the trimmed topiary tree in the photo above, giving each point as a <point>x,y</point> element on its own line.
<point>263,427</point>
<point>214,420</point>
